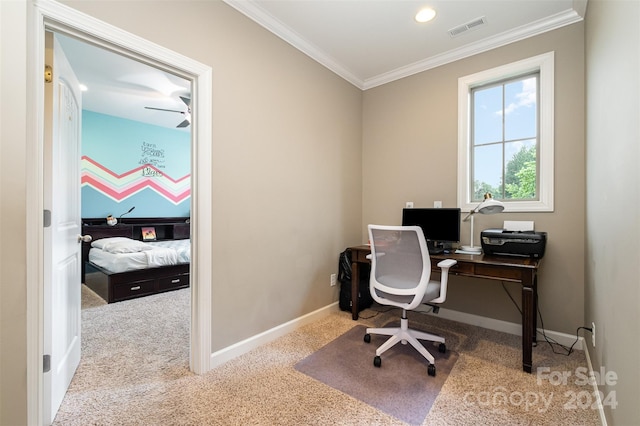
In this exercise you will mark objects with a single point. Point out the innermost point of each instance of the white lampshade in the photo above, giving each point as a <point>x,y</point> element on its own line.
<point>490,206</point>
<point>487,206</point>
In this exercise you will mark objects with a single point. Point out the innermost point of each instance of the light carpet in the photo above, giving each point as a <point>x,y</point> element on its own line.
<point>401,386</point>
<point>135,371</point>
<point>90,298</point>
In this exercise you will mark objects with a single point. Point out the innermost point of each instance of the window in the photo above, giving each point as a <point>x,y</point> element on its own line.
<point>505,135</point>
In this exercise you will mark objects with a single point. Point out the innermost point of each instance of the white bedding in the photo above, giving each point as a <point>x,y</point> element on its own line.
<point>151,255</point>
<point>182,248</point>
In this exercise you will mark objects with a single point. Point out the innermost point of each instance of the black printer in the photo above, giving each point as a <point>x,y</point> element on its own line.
<point>514,243</point>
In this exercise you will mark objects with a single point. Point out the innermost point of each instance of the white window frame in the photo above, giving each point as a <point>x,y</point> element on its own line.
<point>544,64</point>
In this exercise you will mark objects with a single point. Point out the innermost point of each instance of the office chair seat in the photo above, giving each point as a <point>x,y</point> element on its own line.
<point>400,277</point>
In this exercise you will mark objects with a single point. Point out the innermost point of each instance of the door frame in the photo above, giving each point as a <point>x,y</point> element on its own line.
<point>48,15</point>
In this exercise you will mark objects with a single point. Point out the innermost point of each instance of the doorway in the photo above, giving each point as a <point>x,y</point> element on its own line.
<point>120,138</point>
<point>61,19</point>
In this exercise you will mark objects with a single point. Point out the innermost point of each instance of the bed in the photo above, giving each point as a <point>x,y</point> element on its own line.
<point>119,266</point>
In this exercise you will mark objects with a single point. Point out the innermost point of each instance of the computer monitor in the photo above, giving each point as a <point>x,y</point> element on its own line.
<point>441,227</point>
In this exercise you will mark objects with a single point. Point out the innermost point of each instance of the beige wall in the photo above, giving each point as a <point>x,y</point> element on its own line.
<point>285,166</point>
<point>613,200</point>
<point>290,139</point>
<point>286,171</point>
<point>410,154</point>
<point>13,168</point>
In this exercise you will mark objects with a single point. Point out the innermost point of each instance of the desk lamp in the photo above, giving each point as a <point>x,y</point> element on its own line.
<point>487,206</point>
<point>131,209</point>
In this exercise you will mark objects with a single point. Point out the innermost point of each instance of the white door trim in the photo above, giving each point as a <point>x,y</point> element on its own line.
<point>50,15</point>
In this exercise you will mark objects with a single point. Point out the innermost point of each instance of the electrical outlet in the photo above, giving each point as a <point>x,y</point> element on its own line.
<point>437,204</point>
<point>334,280</point>
<point>593,334</point>
<point>408,205</point>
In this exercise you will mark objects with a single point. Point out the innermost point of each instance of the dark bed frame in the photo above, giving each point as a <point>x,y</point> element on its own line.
<point>114,287</point>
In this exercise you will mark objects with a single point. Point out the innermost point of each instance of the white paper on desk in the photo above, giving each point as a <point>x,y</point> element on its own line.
<point>518,225</point>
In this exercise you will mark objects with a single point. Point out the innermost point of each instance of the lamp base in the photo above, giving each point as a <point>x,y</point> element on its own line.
<point>471,249</point>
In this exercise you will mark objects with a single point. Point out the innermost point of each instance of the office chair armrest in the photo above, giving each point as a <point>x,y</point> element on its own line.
<point>370,256</point>
<point>446,264</point>
<point>444,277</point>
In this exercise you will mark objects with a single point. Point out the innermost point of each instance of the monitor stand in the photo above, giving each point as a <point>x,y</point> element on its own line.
<point>434,247</point>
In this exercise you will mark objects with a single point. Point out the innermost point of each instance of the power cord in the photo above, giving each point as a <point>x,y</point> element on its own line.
<point>376,312</point>
<point>380,310</point>
<point>566,350</point>
<point>511,297</point>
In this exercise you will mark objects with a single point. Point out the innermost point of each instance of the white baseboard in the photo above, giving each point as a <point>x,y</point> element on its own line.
<point>596,391</point>
<point>509,327</point>
<point>237,349</point>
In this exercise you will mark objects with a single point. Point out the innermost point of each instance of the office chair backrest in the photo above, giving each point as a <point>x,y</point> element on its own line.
<point>400,265</point>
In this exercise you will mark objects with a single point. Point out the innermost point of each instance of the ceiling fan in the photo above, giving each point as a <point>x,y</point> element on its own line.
<point>187,113</point>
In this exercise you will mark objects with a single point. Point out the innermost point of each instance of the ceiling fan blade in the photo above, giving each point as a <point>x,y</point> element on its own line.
<point>187,114</point>
<point>162,109</point>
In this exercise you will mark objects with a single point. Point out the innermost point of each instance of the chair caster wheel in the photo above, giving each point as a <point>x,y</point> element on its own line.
<point>377,361</point>
<point>367,338</point>
<point>431,370</point>
<point>442,348</point>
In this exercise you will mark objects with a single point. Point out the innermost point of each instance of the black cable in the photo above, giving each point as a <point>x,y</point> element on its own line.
<point>389,309</point>
<point>549,340</point>
<point>552,342</point>
<point>511,297</point>
<point>377,312</point>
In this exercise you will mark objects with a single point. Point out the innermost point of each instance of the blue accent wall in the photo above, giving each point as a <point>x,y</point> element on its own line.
<point>122,146</point>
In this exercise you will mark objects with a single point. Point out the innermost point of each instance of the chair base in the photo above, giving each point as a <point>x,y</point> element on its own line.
<point>404,334</point>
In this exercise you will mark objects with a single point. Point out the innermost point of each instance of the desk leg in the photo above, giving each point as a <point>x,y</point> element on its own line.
<point>535,310</point>
<point>355,283</point>
<point>529,296</point>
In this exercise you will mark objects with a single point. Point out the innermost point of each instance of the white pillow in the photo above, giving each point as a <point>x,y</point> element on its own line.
<point>102,241</point>
<point>118,245</point>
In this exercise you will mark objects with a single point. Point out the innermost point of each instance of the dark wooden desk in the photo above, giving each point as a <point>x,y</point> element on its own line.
<point>502,268</point>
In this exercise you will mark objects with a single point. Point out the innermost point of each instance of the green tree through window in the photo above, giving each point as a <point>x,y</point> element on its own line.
<point>505,138</point>
<point>506,135</point>
<point>520,177</point>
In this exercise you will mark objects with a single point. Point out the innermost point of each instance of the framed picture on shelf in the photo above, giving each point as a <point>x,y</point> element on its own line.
<point>148,233</point>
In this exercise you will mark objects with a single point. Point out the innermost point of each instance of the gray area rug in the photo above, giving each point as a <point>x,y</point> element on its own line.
<point>401,387</point>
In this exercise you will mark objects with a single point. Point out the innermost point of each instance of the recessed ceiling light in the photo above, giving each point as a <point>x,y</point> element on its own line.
<point>83,88</point>
<point>425,15</point>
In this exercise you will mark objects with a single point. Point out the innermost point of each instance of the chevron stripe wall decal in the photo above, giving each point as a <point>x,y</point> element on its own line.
<point>119,187</point>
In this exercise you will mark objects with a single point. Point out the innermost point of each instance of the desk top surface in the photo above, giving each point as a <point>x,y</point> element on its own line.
<point>513,261</point>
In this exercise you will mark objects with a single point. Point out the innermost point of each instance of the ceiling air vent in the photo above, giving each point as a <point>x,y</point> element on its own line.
<point>471,25</point>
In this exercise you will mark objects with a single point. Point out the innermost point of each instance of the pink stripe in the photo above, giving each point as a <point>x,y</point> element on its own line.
<point>131,189</point>
<point>137,169</point>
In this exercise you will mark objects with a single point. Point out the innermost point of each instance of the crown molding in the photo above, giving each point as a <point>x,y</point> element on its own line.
<point>536,28</point>
<point>254,12</point>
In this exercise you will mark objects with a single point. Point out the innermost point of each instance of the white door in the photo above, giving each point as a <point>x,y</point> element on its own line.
<point>62,256</point>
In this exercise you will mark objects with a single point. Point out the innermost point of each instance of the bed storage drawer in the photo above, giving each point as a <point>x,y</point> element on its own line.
<point>125,291</point>
<point>114,287</point>
<point>174,282</point>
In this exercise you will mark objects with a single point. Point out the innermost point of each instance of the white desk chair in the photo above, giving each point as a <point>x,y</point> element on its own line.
<point>400,276</point>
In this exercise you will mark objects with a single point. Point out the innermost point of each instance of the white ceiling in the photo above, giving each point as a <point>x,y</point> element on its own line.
<point>123,87</point>
<point>366,42</point>
<point>372,42</point>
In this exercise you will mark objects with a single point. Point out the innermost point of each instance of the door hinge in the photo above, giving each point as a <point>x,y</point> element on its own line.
<point>46,363</point>
<point>48,74</point>
<point>46,219</point>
